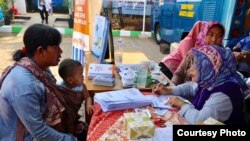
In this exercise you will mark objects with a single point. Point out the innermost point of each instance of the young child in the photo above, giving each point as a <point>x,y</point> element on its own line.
<point>244,44</point>
<point>71,71</point>
<point>244,47</point>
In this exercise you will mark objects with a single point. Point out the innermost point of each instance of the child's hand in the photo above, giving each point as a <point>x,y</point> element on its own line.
<point>89,109</point>
<point>236,48</point>
<point>238,56</point>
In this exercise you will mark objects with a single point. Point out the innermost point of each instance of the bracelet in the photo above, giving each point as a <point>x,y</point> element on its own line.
<point>245,56</point>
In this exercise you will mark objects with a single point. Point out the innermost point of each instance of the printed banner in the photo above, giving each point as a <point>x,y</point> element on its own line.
<point>100,35</point>
<point>80,39</point>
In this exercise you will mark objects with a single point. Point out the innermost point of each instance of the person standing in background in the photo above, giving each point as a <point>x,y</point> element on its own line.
<point>30,5</point>
<point>44,7</point>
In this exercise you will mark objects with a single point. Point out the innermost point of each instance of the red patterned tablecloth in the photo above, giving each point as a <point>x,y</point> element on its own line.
<point>108,126</point>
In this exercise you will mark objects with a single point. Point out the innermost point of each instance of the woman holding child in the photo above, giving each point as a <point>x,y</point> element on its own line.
<point>32,107</point>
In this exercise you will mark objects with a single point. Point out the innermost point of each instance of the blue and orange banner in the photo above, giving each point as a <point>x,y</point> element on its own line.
<point>80,39</point>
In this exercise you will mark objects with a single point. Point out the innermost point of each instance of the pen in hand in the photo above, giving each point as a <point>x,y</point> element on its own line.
<point>157,89</point>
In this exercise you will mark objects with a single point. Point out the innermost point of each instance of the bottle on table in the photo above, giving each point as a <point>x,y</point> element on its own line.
<point>118,52</point>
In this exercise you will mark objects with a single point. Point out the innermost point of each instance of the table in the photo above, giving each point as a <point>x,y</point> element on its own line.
<point>128,58</point>
<point>109,126</point>
<point>134,57</point>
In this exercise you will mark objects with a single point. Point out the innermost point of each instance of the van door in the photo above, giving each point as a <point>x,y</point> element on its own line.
<point>166,23</point>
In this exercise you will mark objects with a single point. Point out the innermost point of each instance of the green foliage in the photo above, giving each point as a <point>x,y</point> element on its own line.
<point>5,8</point>
<point>68,4</point>
<point>3,5</point>
<point>65,4</point>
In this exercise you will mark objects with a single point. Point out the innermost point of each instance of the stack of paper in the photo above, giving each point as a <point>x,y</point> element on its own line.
<point>134,67</point>
<point>121,99</point>
<point>104,81</point>
<point>105,70</point>
<point>128,74</point>
<point>128,77</point>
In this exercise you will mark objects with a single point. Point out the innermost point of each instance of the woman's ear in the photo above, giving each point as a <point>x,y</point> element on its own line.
<point>40,51</point>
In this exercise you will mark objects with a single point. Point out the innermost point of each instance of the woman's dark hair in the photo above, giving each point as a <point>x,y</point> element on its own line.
<point>220,26</point>
<point>67,67</point>
<point>35,36</point>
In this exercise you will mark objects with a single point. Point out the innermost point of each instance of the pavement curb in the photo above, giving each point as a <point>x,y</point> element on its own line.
<point>130,33</point>
<point>69,31</point>
<point>18,28</point>
<point>11,28</point>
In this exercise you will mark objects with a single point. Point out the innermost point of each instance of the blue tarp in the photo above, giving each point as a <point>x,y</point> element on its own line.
<point>1,17</point>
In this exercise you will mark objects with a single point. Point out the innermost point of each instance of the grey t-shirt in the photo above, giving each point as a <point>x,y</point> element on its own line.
<point>218,106</point>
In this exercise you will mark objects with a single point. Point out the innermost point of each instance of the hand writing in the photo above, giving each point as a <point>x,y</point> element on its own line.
<point>175,102</point>
<point>157,89</point>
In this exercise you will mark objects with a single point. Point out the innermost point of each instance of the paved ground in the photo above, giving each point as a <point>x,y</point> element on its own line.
<point>7,45</point>
<point>10,42</point>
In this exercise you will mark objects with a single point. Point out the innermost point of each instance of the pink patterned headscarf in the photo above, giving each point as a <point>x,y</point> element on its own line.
<point>205,26</point>
<point>195,38</point>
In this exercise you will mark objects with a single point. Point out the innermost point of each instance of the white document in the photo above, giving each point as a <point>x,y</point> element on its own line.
<point>163,134</point>
<point>105,70</point>
<point>121,99</point>
<point>160,101</point>
<point>128,74</point>
<point>134,67</point>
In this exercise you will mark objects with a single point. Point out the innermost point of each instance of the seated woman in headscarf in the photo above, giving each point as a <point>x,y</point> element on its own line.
<point>202,33</point>
<point>215,90</point>
<point>212,33</point>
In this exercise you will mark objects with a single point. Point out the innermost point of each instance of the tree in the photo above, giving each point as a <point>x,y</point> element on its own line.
<point>4,4</point>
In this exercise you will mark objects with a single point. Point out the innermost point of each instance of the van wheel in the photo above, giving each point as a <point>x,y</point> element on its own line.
<point>157,34</point>
<point>164,47</point>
